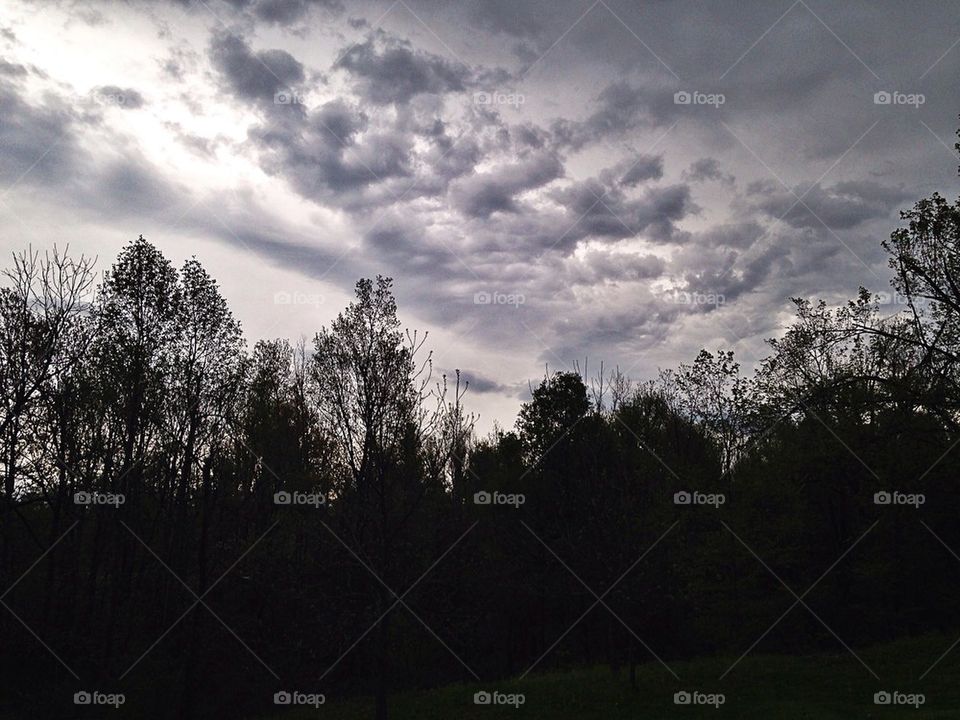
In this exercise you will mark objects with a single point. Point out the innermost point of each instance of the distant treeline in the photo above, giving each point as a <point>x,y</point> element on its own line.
<point>336,526</point>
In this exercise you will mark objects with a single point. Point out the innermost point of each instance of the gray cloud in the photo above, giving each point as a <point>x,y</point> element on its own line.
<point>555,199</point>
<point>706,169</point>
<point>249,75</point>
<point>620,107</point>
<point>477,381</point>
<point>842,206</point>
<point>38,141</point>
<point>276,12</point>
<point>288,11</point>
<point>12,69</point>
<point>608,212</point>
<point>496,190</point>
<point>723,272</point>
<point>390,70</point>
<point>319,153</point>
<point>635,170</point>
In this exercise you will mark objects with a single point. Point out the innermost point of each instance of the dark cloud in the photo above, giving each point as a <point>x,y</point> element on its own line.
<point>45,149</point>
<point>337,153</point>
<point>620,105</point>
<point>256,76</point>
<point>453,197</point>
<point>284,12</point>
<point>706,169</point>
<point>319,153</point>
<point>280,245</point>
<point>497,190</point>
<point>842,206</point>
<point>633,171</point>
<point>407,244</point>
<point>450,158</point>
<point>130,189</point>
<point>39,141</point>
<point>619,108</point>
<point>390,70</point>
<point>609,330</point>
<point>529,135</point>
<point>714,276</point>
<point>480,383</point>
<point>12,69</point>
<point>279,12</point>
<point>602,211</point>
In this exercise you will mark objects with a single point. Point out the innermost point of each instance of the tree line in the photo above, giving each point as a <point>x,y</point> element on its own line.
<point>199,525</point>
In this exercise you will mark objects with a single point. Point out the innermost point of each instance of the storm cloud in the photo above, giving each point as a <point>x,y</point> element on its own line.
<point>588,165</point>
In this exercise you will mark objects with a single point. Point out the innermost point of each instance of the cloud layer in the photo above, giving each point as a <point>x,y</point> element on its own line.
<point>628,183</point>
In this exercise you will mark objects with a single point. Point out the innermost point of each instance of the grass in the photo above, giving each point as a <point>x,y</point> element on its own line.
<point>818,687</point>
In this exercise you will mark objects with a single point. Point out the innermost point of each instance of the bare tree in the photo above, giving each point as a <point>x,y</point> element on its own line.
<point>41,317</point>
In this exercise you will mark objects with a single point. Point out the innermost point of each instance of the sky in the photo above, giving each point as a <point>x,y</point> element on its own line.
<point>549,183</point>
